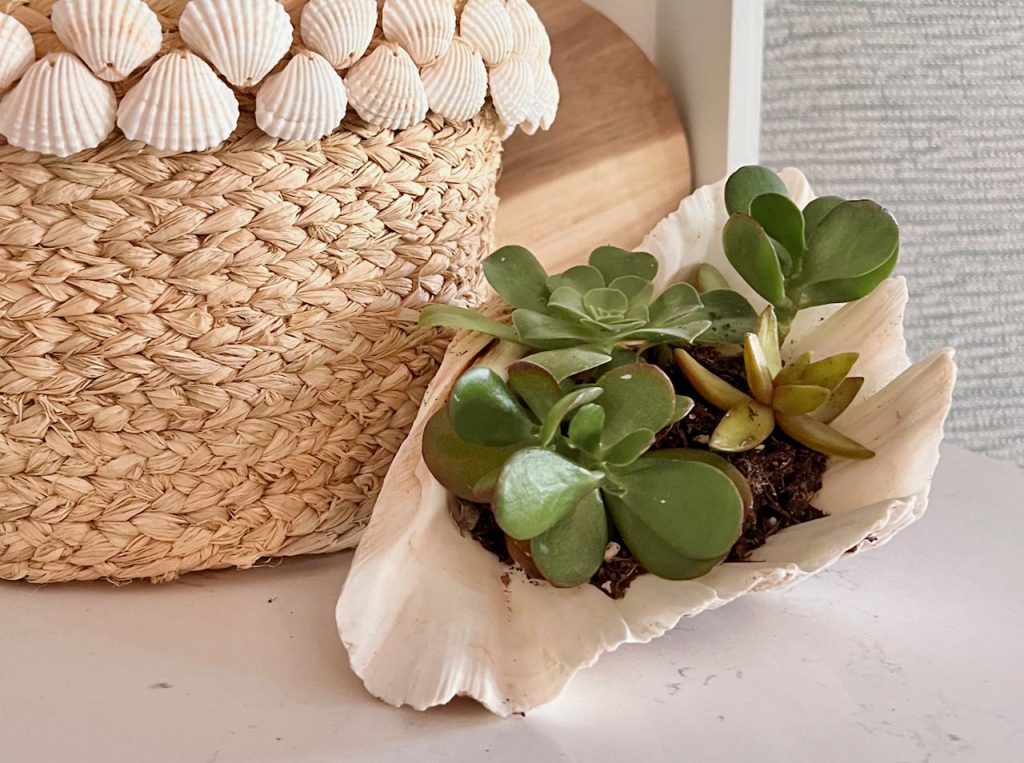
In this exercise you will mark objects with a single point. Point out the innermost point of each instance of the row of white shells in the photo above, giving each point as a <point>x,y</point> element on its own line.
<point>431,59</point>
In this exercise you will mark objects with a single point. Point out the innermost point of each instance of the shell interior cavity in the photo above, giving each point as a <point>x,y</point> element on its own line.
<point>113,37</point>
<point>243,39</point>
<point>487,26</point>
<point>179,105</point>
<point>456,83</point>
<point>339,30</point>
<point>305,101</point>
<point>425,28</point>
<point>17,51</point>
<point>385,88</point>
<point>59,108</point>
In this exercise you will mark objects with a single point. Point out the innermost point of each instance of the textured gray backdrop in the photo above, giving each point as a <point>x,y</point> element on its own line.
<point>919,104</point>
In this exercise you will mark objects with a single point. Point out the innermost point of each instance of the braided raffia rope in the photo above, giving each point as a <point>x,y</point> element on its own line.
<point>208,359</point>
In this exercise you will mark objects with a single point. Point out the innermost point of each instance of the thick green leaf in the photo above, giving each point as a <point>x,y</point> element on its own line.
<point>615,263</point>
<point>572,551</point>
<point>562,364</point>
<point>629,448</point>
<point>567,303</point>
<point>692,509</point>
<point>750,251</point>
<point>816,211</point>
<point>460,318</point>
<point>459,465</point>
<point>548,333</point>
<point>747,183</point>
<point>783,221</point>
<point>767,330</point>
<point>712,388</point>
<point>798,399</point>
<point>635,397</point>
<point>784,257</point>
<point>828,372</point>
<point>537,489</point>
<point>819,436</point>
<point>841,398</point>
<point>743,428</point>
<point>731,316</point>
<point>759,375</point>
<point>683,407</point>
<point>849,289</point>
<point>685,334</point>
<point>715,460</point>
<point>637,290</point>
<point>675,303</point>
<point>854,239</point>
<point>585,428</point>
<point>535,386</point>
<point>710,278</point>
<point>605,303</point>
<point>792,371</point>
<point>582,278</point>
<point>484,410</point>
<point>566,405</point>
<point>518,277</point>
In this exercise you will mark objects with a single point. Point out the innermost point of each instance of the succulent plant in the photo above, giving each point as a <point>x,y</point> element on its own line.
<point>558,460</point>
<point>607,305</point>
<point>801,398</point>
<point>833,250</point>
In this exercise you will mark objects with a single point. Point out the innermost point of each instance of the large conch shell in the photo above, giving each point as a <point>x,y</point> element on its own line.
<point>113,37</point>
<point>17,51</point>
<point>427,615</point>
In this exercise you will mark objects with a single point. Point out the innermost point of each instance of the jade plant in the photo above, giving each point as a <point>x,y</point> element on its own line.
<point>802,398</point>
<point>833,250</point>
<point>562,462</point>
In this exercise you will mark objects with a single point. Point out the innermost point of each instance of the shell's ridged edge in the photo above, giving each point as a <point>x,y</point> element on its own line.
<point>112,52</point>
<point>519,644</point>
<point>305,101</point>
<point>17,51</point>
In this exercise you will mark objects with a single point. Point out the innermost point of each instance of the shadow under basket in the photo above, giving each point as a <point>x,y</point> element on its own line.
<point>208,359</point>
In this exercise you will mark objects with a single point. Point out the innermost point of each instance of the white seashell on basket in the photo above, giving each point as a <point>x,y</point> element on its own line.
<point>425,28</point>
<point>17,51</point>
<point>456,83</point>
<point>487,26</point>
<point>513,90</point>
<point>179,105</point>
<point>427,614</point>
<point>59,108</point>
<point>305,101</point>
<point>113,37</point>
<point>243,39</point>
<point>530,38</point>
<point>385,88</point>
<point>339,30</point>
<point>545,102</point>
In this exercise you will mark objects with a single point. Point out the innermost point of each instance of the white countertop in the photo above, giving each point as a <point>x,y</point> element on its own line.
<point>908,653</point>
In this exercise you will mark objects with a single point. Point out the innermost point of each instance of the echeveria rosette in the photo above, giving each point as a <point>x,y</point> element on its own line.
<point>832,251</point>
<point>801,398</point>
<point>607,305</point>
<point>555,459</point>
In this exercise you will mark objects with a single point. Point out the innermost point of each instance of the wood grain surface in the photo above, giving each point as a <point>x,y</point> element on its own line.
<point>616,160</point>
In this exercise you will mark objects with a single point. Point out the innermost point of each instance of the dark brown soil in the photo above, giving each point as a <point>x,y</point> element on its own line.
<point>784,477</point>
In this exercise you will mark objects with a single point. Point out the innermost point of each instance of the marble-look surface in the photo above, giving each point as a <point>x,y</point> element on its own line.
<point>908,653</point>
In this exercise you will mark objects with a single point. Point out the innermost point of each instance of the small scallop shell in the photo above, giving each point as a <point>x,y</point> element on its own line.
<point>386,90</point>
<point>545,102</point>
<point>17,51</point>
<point>244,39</point>
<point>457,83</point>
<point>113,37</point>
<point>58,108</point>
<point>305,101</point>
<point>339,30</point>
<point>513,89</point>
<point>531,38</point>
<point>487,26</point>
<point>179,105</point>
<point>425,28</point>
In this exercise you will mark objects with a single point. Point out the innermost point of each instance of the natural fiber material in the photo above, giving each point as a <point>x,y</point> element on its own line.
<point>208,359</point>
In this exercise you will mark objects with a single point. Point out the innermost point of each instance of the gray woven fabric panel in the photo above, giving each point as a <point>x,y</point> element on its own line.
<point>919,104</point>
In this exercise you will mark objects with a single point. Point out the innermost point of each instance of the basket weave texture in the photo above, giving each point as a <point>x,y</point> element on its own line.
<point>208,359</point>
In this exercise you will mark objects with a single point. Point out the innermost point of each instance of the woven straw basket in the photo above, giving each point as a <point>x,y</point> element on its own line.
<point>208,359</point>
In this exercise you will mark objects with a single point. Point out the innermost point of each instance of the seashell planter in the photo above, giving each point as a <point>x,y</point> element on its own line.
<point>214,247</point>
<point>427,614</point>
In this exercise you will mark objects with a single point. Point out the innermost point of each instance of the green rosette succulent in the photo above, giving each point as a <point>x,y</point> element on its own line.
<point>562,463</point>
<point>801,398</point>
<point>832,251</point>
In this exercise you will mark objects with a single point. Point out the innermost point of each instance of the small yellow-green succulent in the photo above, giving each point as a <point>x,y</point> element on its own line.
<point>801,398</point>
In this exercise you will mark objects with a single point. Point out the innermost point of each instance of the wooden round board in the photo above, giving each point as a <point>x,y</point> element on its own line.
<point>615,162</point>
